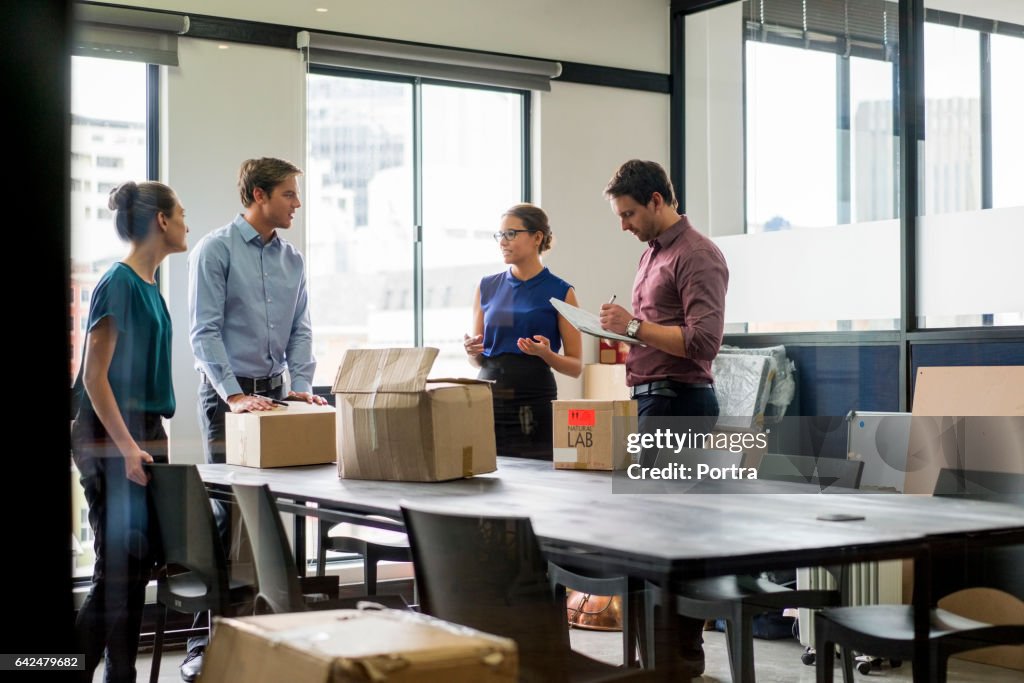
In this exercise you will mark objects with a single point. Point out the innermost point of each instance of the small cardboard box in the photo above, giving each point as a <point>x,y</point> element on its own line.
<point>299,434</point>
<point>591,434</point>
<point>349,646</point>
<point>611,351</point>
<point>395,424</point>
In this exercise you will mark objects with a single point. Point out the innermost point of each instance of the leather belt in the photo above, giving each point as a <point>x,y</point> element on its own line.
<point>257,385</point>
<point>665,387</point>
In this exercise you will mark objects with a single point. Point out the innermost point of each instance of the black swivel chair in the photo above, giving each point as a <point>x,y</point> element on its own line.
<point>195,575</point>
<point>888,630</point>
<point>489,573</point>
<point>280,587</point>
<point>738,598</point>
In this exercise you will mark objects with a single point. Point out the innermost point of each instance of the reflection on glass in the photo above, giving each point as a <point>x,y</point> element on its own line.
<point>359,185</point>
<point>472,172</point>
<point>1007,115</point>
<point>108,147</point>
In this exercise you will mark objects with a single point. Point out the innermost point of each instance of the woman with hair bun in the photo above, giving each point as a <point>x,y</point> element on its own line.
<point>517,335</point>
<point>126,378</point>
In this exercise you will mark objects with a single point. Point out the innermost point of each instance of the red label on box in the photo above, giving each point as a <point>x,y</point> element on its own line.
<point>582,418</point>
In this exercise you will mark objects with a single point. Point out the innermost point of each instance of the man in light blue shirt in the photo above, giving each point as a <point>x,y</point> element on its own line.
<point>249,319</point>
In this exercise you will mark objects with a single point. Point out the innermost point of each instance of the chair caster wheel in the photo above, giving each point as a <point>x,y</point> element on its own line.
<point>864,668</point>
<point>808,658</point>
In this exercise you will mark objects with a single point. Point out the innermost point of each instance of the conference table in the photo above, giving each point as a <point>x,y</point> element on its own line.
<point>713,529</point>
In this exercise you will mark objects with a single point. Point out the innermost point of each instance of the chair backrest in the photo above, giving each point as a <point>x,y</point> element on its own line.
<point>276,572</point>
<point>992,567</point>
<point>188,532</point>
<point>489,573</point>
<point>824,472</point>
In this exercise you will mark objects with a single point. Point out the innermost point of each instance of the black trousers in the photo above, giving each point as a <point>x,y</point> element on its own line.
<point>125,542</point>
<point>700,408</point>
<point>523,390</point>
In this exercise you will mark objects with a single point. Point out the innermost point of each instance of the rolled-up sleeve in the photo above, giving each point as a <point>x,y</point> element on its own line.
<point>207,287</point>
<point>703,280</point>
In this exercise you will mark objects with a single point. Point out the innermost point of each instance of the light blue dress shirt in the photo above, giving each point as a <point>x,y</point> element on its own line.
<point>249,309</point>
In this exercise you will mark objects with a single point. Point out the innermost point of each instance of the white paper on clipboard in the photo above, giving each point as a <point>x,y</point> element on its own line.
<point>587,322</point>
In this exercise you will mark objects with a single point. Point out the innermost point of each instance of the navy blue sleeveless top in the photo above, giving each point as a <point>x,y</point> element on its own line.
<point>516,308</point>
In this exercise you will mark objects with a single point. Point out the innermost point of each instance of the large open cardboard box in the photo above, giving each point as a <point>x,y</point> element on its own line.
<point>395,424</point>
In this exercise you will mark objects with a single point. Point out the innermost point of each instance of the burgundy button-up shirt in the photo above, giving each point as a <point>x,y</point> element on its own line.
<point>681,280</point>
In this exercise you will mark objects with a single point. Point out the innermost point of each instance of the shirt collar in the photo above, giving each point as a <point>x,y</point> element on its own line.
<point>666,238</point>
<point>248,232</point>
<point>516,282</point>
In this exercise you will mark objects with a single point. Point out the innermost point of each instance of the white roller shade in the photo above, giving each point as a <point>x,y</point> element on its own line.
<point>129,34</point>
<point>427,61</point>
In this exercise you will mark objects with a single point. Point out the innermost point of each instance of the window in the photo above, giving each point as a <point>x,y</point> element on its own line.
<point>96,107</point>
<point>972,175</point>
<point>364,258</point>
<point>821,165</point>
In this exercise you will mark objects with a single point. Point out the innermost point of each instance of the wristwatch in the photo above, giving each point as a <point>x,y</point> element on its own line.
<point>632,327</point>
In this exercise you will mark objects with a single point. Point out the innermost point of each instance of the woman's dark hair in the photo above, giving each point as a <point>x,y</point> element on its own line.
<point>535,220</point>
<point>640,180</point>
<point>135,205</point>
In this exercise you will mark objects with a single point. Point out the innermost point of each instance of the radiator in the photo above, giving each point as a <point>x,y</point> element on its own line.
<point>871,583</point>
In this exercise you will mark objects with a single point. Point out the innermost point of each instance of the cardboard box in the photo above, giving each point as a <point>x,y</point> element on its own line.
<point>345,646</point>
<point>994,607</point>
<point>611,351</point>
<point>969,417</point>
<point>395,424</point>
<point>300,434</point>
<point>605,382</point>
<point>591,435</point>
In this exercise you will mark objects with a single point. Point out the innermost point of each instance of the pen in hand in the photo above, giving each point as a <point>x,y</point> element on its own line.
<point>612,300</point>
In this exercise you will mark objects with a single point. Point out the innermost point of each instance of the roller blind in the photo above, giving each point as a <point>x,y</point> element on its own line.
<point>370,54</point>
<point>130,34</point>
<point>864,28</point>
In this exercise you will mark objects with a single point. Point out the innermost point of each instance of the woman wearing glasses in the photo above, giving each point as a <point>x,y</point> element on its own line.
<point>517,335</point>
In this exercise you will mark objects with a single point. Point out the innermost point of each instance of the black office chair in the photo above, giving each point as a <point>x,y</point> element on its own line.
<point>737,599</point>
<point>195,575</point>
<point>822,472</point>
<point>374,545</point>
<point>489,573</point>
<point>280,587</point>
<point>888,630</point>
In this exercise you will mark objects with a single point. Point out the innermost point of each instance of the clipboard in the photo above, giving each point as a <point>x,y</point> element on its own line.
<point>588,323</point>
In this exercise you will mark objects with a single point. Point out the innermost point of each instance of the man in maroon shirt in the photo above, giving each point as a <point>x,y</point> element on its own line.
<point>679,314</point>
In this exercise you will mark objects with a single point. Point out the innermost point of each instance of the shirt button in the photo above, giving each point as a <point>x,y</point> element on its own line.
<point>271,327</point>
<point>268,301</point>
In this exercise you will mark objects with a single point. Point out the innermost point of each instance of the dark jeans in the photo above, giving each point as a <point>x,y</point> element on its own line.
<point>695,409</point>
<point>700,407</point>
<point>125,542</point>
<point>212,409</point>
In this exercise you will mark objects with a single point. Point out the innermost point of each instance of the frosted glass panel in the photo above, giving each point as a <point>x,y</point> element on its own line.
<point>813,278</point>
<point>970,268</point>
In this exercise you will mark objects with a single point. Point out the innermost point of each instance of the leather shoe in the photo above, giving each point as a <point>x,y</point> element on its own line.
<point>192,665</point>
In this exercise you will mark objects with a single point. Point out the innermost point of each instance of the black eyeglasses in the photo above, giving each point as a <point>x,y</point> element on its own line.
<point>508,235</point>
